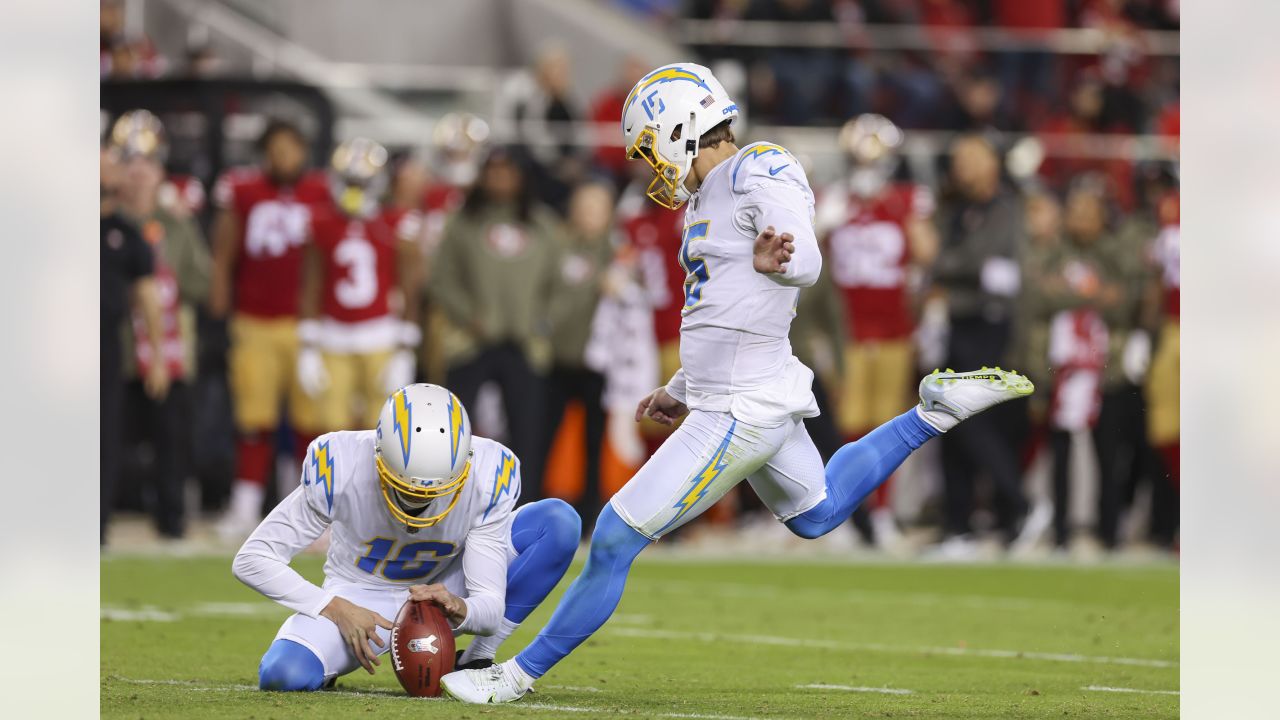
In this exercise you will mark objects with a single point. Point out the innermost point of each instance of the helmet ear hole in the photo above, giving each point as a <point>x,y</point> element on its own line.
<point>676,131</point>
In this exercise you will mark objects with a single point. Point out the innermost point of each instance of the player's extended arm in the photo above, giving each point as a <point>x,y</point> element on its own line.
<point>786,248</point>
<point>146,297</point>
<point>484,568</point>
<point>226,227</point>
<point>263,561</point>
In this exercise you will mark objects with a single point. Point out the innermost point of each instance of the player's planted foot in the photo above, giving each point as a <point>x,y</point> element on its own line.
<point>947,397</point>
<point>502,683</point>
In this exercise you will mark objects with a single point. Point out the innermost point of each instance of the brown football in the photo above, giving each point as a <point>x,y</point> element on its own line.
<point>421,648</point>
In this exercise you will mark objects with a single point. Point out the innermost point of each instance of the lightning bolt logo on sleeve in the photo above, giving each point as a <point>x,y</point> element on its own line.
<point>322,470</point>
<point>501,481</point>
<point>702,480</point>
<point>755,152</point>
<point>402,419</point>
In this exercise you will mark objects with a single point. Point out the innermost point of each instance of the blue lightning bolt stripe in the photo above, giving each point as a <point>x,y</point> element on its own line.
<point>756,151</point>
<point>661,75</point>
<point>322,468</point>
<point>702,480</point>
<point>402,418</point>
<point>455,428</point>
<point>501,481</point>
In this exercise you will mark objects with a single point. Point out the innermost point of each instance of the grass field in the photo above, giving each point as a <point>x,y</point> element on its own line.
<point>705,639</point>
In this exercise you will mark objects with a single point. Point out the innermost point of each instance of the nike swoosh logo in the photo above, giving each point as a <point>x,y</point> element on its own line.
<point>775,171</point>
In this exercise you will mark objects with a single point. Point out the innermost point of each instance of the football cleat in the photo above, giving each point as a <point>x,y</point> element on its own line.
<point>496,684</point>
<point>947,397</point>
<point>477,664</point>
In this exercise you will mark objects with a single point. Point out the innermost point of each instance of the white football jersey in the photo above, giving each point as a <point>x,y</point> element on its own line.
<point>734,350</point>
<point>340,491</point>
<point>366,543</point>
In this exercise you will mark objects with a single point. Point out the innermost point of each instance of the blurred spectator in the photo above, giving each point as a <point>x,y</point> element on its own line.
<point>586,252</point>
<point>654,233</point>
<point>1087,113</point>
<point>607,110</point>
<point>182,269</point>
<point>258,236</point>
<point>980,223</point>
<point>1079,293</point>
<point>1026,75</point>
<point>203,61</point>
<point>1044,235</point>
<point>494,276</point>
<point>540,105</point>
<point>126,268</point>
<point>121,57</point>
<point>879,235</point>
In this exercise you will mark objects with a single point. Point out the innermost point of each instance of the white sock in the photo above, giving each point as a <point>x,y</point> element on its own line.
<point>246,499</point>
<point>518,674</point>
<point>937,419</point>
<point>486,646</point>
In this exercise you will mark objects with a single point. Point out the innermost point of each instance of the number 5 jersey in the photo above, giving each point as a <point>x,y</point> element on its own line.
<point>735,355</point>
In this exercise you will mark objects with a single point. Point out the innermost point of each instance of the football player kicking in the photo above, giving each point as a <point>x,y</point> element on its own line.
<point>748,248</point>
<point>420,509</point>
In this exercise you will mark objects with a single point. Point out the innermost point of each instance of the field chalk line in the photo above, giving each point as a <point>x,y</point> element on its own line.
<point>856,688</point>
<point>395,695</point>
<point>880,647</point>
<point>1104,688</point>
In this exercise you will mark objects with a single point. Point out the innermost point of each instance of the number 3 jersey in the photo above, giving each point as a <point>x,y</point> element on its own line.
<point>358,259</point>
<point>735,354</point>
<point>340,491</point>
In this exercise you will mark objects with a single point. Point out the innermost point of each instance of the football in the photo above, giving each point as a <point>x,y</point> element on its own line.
<point>422,648</point>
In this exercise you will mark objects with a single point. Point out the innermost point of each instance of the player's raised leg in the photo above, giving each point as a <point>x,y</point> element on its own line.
<point>857,469</point>
<point>695,467</point>
<point>544,537</point>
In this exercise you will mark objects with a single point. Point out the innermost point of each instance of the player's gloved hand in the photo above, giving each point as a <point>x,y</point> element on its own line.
<point>358,626</point>
<point>454,609</point>
<point>312,375</point>
<point>661,407</point>
<point>1136,357</point>
<point>400,366</point>
<point>772,251</point>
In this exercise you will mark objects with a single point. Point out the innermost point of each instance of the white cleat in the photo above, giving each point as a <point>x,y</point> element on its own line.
<point>947,397</point>
<point>496,684</point>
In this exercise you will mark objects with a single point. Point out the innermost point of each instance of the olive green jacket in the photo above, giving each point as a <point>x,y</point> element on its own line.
<point>579,286</point>
<point>495,277</point>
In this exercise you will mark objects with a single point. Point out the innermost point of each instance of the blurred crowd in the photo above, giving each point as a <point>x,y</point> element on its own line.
<point>533,277</point>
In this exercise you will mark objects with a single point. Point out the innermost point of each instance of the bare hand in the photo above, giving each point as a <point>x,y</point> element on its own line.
<point>156,383</point>
<point>772,251</point>
<point>660,406</point>
<point>451,604</point>
<point>358,626</point>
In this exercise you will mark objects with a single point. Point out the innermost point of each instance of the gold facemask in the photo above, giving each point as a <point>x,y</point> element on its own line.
<point>662,189</point>
<point>391,483</point>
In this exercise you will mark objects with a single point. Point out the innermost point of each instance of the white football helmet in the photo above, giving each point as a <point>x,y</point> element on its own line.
<point>662,119</point>
<point>422,451</point>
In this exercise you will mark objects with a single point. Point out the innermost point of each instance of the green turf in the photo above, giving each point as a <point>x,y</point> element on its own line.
<point>702,639</point>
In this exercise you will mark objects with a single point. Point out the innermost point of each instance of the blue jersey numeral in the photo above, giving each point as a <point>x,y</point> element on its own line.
<point>407,564</point>
<point>695,267</point>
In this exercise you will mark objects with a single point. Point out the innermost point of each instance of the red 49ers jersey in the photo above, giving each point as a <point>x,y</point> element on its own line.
<point>655,234</point>
<point>869,254</point>
<point>358,261</point>
<point>274,222</point>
